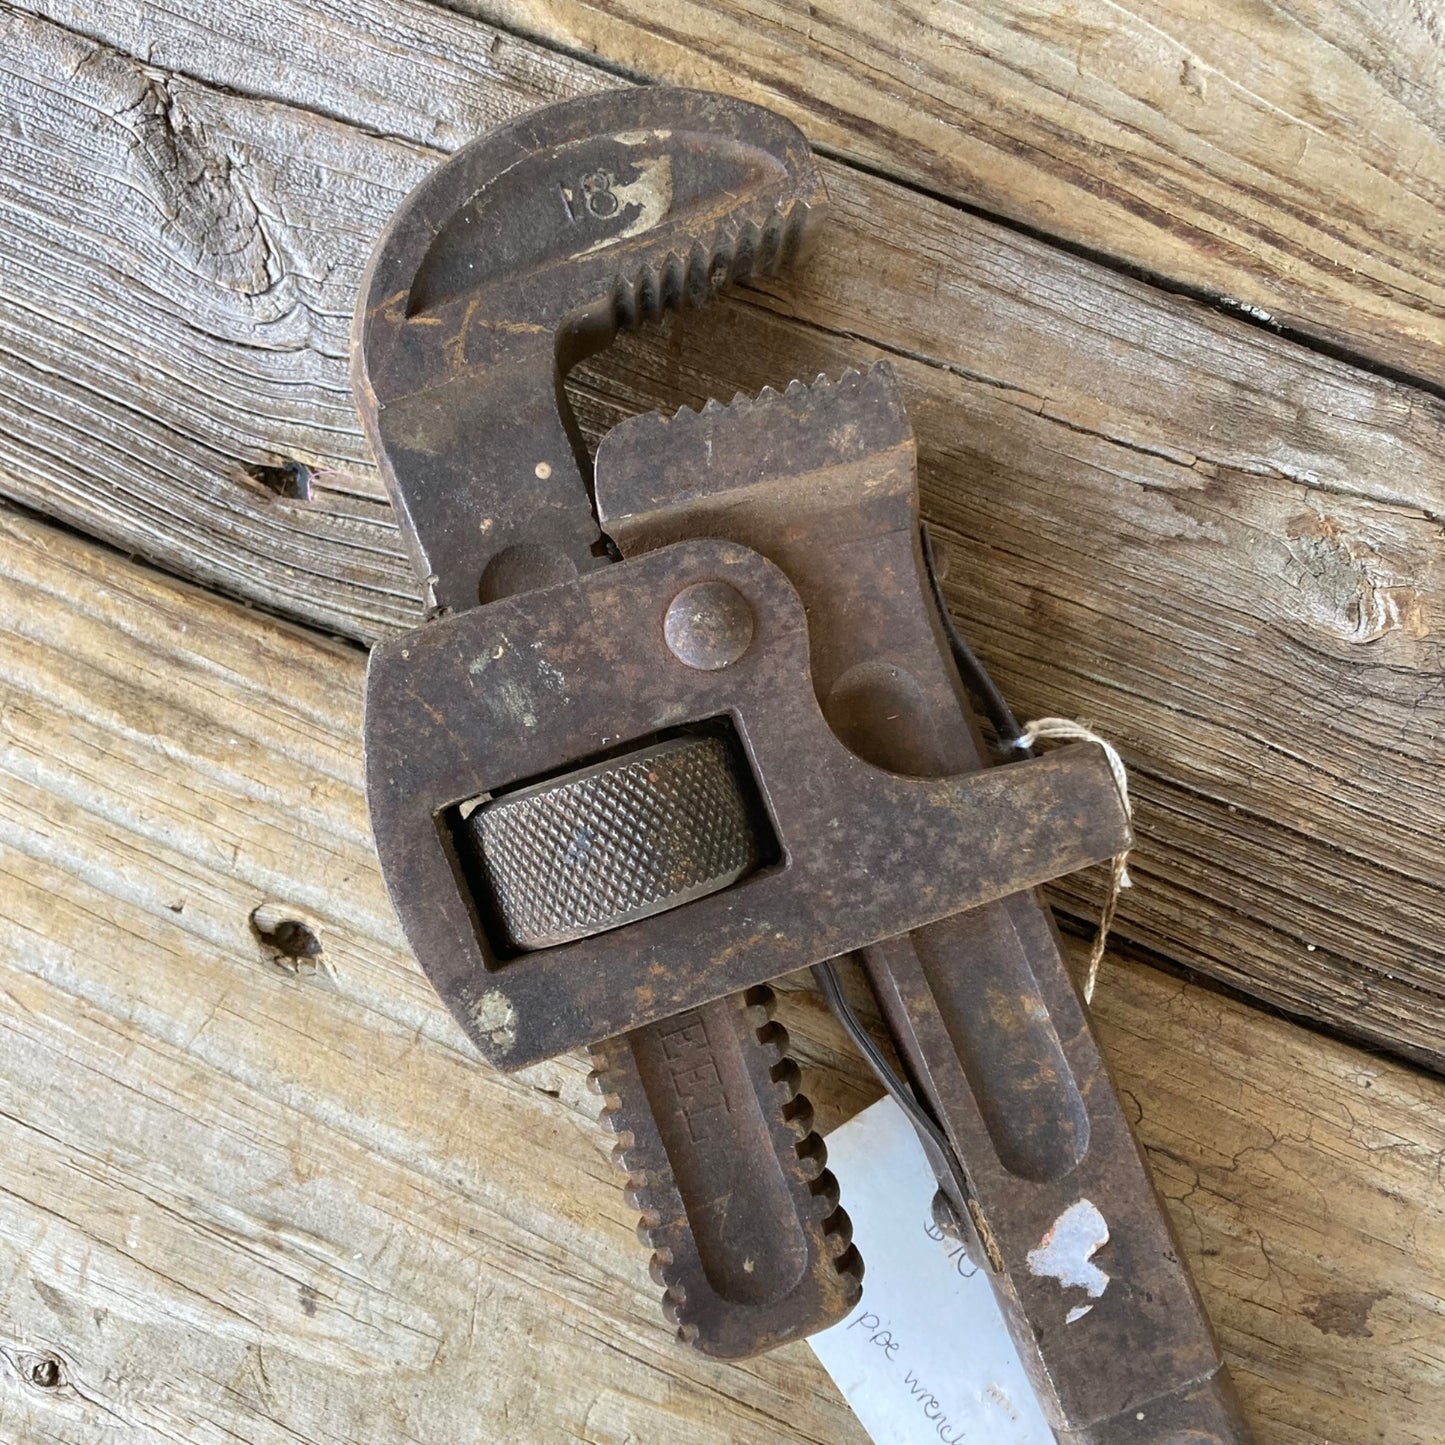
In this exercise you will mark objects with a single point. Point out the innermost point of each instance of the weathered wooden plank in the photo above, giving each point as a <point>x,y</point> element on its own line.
<point>250,1200</point>
<point>1284,158</point>
<point>1221,548</point>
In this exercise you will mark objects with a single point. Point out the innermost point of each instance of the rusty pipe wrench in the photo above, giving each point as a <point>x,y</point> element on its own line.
<point>682,731</point>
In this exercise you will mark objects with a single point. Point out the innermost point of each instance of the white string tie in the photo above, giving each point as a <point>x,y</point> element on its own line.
<point>1065,730</point>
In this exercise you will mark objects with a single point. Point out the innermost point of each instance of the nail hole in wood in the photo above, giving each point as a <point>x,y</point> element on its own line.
<point>291,479</point>
<point>44,1372</point>
<point>291,944</point>
<point>291,939</point>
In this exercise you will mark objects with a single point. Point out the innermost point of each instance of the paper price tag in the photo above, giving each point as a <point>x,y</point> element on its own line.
<point>926,1357</point>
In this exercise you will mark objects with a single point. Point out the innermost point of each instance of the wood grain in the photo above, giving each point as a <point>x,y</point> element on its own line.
<point>269,1200</point>
<point>1285,157</point>
<point>1220,548</point>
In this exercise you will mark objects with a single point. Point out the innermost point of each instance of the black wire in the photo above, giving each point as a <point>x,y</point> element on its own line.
<point>980,685</point>
<point>941,1157</point>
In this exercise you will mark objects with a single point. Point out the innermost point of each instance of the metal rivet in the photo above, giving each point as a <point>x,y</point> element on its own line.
<point>708,625</point>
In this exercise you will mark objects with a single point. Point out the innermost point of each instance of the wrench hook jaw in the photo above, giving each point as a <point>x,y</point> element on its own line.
<point>523,255</point>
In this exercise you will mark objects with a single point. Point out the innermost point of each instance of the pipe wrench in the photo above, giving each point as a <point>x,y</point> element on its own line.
<point>688,717</point>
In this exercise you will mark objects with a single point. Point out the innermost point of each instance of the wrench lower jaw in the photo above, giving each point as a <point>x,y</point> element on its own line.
<point>985,1019</point>
<point>749,1244</point>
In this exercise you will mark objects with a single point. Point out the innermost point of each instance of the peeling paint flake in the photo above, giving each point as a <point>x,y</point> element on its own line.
<point>1066,1253</point>
<point>494,1017</point>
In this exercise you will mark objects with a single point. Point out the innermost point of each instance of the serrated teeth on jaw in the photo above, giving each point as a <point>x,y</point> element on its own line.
<point>739,250</point>
<point>743,402</point>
